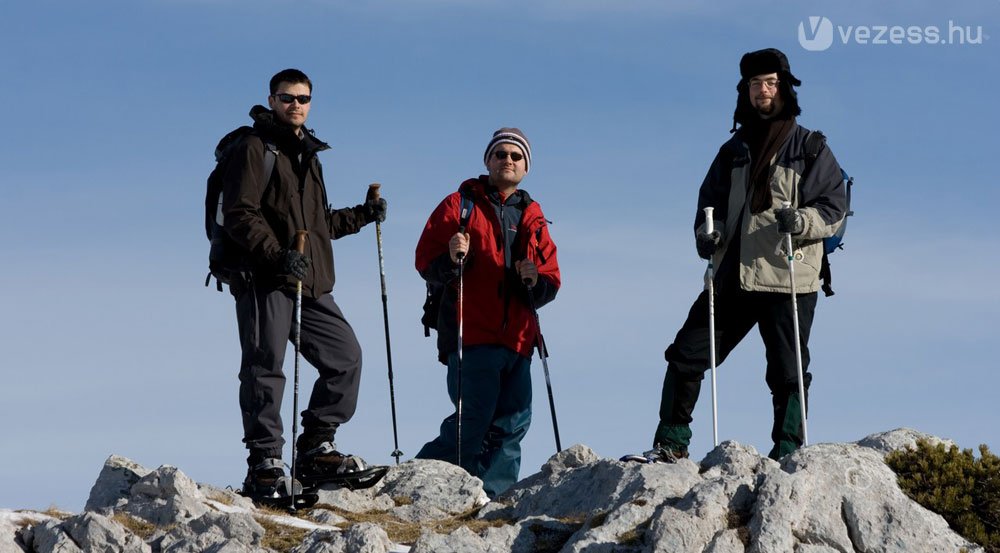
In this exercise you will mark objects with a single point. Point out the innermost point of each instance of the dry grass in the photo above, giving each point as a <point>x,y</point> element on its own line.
<point>282,538</point>
<point>56,512</point>
<point>740,521</point>
<point>221,497</point>
<point>634,536</point>
<point>279,537</point>
<point>137,526</point>
<point>52,511</point>
<point>598,519</point>
<point>402,531</point>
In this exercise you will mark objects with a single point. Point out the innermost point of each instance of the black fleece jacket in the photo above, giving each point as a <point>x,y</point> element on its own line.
<point>262,213</point>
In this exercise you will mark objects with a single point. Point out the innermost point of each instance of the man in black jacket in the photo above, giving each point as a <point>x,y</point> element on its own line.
<point>767,162</point>
<point>262,214</point>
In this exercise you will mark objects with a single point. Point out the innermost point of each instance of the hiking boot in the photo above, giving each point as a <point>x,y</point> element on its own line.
<point>324,463</point>
<point>266,482</point>
<point>658,455</point>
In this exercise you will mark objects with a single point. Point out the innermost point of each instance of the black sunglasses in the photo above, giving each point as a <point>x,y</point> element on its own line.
<point>289,98</point>
<point>514,156</point>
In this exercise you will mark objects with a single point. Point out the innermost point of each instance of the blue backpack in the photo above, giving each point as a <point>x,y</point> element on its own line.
<point>814,144</point>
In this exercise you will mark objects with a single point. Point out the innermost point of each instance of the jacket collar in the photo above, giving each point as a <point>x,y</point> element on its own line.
<point>268,126</point>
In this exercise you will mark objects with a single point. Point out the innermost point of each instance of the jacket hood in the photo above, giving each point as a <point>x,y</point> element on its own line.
<point>481,187</point>
<point>267,124</point>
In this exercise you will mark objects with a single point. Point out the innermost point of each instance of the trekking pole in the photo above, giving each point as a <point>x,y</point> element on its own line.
<point>710,281</point>
<point>373,194</point>
<point>300,246</point>
<point>458,411</point>
<point>543,352</point>
<point>795,321</point>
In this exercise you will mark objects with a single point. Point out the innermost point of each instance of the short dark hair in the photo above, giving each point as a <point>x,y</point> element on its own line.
<point>292,76</point>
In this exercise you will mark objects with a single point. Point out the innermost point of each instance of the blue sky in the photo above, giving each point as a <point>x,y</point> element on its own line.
<point>111,344</point>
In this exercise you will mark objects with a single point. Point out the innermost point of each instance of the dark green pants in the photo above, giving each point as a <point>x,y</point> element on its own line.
<point>736,314</point>
<point>496,413</point>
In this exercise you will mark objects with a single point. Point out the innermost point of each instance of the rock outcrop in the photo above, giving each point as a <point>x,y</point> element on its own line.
<point>825,498</point>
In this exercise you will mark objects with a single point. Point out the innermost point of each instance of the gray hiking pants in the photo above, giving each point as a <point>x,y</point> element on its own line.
<point>328,343</point>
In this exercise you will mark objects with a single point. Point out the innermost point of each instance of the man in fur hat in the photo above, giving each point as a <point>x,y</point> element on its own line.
<point>766,162</point>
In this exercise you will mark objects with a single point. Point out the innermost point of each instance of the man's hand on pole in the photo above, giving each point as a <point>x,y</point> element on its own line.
<point>458,246</point>
<point>528,271</point>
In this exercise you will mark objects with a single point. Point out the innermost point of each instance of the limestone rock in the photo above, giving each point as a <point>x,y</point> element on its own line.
<point>166,496</point>
<point>353,501</point>
<point>610,497</point>
<point>15,526</point>
<point>432,488</point>
<point>113,484</point>
<point>359,538</point>
<point>825,498</point>
<point>714,513</point>
<point>461,540</point>
<point>843,496</point>
<point>97,533</point>
<point>50,537</point>
<point>898,439</point>
<point>232,532</point>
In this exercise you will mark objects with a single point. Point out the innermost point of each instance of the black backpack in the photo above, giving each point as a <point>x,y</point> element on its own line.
<point>432,302</point>
<point>225,258</point>
<point>814,144</point>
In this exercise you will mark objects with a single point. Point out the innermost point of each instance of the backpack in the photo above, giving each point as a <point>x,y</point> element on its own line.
<point>814,143</point>
<point>225,259</point>
<point>432,302</point>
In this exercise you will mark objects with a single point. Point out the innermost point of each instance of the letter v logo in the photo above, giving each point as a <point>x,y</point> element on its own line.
<point>819,35</point>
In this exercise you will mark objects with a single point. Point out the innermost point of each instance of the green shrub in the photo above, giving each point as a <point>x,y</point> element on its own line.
<point>962,489</point>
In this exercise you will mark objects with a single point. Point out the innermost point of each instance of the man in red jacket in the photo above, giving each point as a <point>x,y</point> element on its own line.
<point>507,254</point>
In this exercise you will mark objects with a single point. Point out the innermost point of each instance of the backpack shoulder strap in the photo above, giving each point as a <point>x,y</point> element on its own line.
<point>270,158</point>
<point>465,211</point>
<point>814,144</point>
<point>815,141</point>
<point>432,302</point>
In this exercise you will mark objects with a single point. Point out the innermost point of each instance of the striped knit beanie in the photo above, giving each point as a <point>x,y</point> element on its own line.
<point>509,135</point>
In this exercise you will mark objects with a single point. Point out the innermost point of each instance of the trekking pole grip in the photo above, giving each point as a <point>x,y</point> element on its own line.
<point>300,241</point>
<point>709,221</point>
<point>373,191</point>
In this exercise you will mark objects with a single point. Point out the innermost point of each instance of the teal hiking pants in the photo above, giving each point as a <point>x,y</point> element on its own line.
<point>496,413</point>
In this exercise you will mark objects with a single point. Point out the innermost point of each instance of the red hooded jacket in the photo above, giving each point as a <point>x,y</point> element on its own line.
<point>496,308</point>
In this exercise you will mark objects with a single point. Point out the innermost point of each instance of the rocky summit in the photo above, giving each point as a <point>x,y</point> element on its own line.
<point>826,498</point>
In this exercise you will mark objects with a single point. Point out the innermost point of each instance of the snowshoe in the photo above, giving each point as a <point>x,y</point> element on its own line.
<point>266,485</point>
<point>657,455</point>
<point>323,464</point>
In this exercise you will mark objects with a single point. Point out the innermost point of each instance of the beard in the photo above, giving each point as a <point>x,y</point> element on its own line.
<point>769,108</point>
<point>766,108</point>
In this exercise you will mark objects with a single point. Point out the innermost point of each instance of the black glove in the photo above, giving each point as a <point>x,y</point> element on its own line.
<point>294,263</point>
<point>789,221</point>
<point>707,243</point>
<point>375,209</point>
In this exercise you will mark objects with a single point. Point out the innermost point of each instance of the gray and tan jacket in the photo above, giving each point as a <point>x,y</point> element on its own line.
<point>821,196</point>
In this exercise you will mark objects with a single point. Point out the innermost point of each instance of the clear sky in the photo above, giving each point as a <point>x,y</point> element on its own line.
<point>109,343</point>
